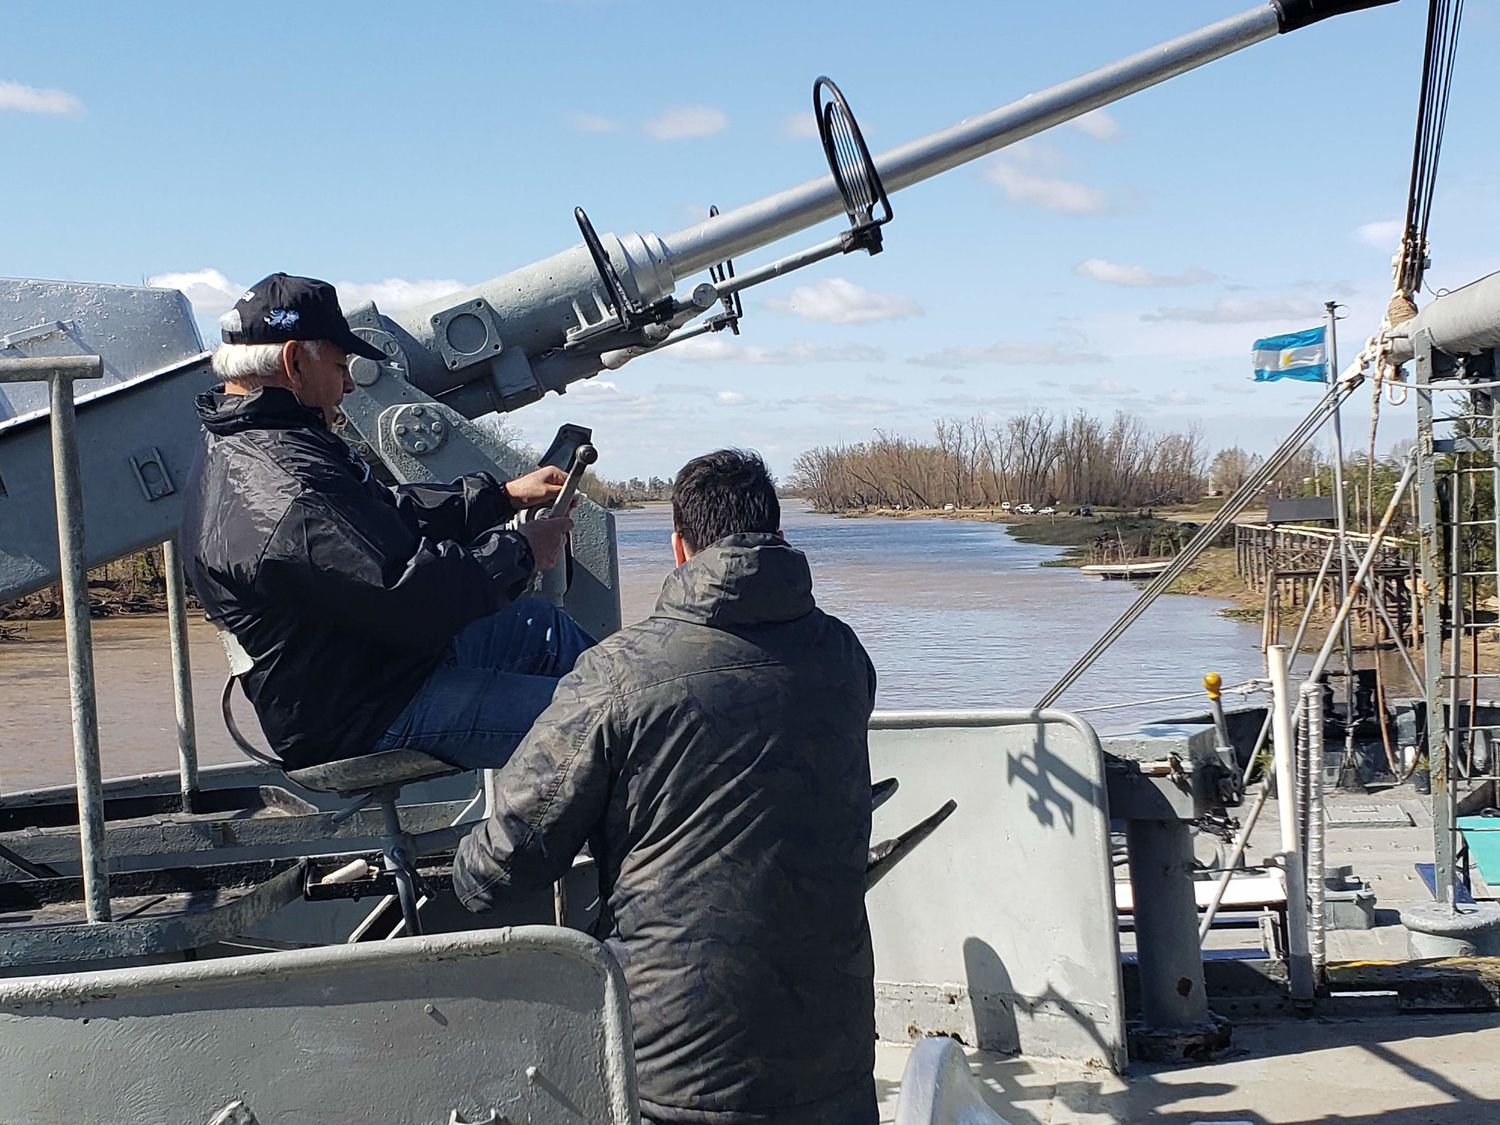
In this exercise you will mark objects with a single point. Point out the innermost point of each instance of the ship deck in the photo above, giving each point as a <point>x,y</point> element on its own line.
<point>1356,1058</point>
<point>1393,1069</point>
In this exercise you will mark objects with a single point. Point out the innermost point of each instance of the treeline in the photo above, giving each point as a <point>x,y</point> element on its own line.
<point>1037,457</point>
<point>625,493</point>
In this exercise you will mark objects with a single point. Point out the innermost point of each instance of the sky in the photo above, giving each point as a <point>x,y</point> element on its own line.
<point>1124,261</point>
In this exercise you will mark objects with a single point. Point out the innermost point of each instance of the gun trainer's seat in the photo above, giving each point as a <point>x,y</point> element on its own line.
<point>355,777</point>
<point>371,779</point>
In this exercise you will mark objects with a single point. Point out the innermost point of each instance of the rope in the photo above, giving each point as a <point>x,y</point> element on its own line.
<point>1247,688</point>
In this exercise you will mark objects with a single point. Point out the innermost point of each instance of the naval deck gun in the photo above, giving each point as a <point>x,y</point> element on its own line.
<point>1039,784</point>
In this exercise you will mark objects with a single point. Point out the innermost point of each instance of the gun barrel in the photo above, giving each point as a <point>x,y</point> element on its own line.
<point>745,228</point>
<point>535,307</point>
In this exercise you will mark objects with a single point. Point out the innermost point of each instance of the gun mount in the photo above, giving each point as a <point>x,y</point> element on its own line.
<point>505,343</point>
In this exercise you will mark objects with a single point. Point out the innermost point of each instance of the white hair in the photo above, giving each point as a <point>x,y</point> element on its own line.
<point>253,365</point>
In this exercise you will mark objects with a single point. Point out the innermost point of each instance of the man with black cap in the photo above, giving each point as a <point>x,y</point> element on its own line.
<point>375,617</point>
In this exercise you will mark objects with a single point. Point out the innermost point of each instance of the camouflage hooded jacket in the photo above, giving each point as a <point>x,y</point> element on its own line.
<point>714,758</point>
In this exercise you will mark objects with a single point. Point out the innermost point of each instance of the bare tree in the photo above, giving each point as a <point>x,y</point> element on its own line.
<point>1034,456</point>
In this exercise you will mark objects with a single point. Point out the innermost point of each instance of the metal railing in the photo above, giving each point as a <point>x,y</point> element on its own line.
<point>60,373</point>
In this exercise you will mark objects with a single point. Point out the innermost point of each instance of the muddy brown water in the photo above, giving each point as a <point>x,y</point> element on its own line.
<point>954,613</point>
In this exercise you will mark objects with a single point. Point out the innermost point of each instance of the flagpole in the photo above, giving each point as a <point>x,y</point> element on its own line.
<point>1348,773</point>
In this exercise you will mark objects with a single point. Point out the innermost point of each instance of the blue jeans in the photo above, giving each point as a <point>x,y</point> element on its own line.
<point>478,704</point>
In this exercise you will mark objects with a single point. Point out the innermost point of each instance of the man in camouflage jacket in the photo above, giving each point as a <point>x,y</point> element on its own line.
<point>714,759</point>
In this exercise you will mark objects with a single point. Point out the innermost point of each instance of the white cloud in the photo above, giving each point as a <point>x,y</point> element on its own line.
<point>21,98</point>
<point>592,123</point>
<point>881,380</point>
<point>857,406</point>
<point>683,122</point>
<point>1036,155</point>
<point>700,390</point>
<point>1097,124</point>
<point>1383,235</point>
<point>1109,388</point>
<point>953,380</point>
<point>209,292</point>
<point>1138,277</point>
<point>606,397</point>
<point>716,349</point>
<point>1180,398</point>
<point>802,125</point>
<point>1018,353</point>
<point>1050,192</point>
<point>1236,310</point>
<point>835,300</point>
<point>395,294</point>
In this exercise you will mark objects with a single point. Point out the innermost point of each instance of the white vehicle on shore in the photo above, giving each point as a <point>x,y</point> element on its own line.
<point>1025,510</point>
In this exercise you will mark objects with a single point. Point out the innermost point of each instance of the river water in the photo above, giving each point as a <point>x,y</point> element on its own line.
<point>954,613</point>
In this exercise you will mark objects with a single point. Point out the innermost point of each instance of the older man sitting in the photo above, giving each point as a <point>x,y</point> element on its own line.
<point>375,616</point>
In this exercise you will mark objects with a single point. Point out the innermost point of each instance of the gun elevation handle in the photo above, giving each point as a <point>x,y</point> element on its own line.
<point>582,459</point>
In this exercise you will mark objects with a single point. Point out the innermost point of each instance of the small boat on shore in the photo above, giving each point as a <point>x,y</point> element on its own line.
<point>1146,568</point>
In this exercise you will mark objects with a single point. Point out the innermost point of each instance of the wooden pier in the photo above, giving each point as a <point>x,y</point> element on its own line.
<point>1283,562</point>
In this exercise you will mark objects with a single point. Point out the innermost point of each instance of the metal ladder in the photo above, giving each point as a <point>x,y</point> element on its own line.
<point>1458,498</point>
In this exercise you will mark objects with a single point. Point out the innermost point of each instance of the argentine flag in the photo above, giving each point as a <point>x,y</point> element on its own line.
<point>1297,355</point>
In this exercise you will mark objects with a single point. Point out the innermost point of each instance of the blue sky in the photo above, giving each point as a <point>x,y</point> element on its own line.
<point>1126,264</point>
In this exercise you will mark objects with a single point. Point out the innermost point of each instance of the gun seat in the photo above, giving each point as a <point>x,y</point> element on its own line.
<point>354,777</point>
<point>377,779</point>
<point>371,779</point>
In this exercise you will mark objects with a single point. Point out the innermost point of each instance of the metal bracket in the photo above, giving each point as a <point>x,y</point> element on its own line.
<point>151,474</point>
<point>618,311</point>
<point>378,882</point>
<point>365,372</point>
<point>37,332</point>
<point>734,306</point>
<point>467,333</point>
<point>418,430</point>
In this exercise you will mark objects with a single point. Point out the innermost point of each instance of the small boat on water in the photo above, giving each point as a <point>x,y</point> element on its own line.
<point>1145,568</point>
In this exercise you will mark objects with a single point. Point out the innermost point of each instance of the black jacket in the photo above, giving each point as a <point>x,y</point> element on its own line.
<point>715,758</point>
<point>346,593</point>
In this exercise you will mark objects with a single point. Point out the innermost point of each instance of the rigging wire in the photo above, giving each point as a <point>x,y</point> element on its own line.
<point>1444,21</point>
<point>1341,389</point>
<point>1440,53</point>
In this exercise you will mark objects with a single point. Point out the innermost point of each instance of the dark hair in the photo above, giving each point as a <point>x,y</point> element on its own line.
<point>726,492</point>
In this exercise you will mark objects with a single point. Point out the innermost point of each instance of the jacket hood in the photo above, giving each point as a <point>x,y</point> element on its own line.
<point>266,408</point>
<point>749,579</point>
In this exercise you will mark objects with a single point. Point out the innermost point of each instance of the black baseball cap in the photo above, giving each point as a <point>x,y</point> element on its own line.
<point>282,307</point>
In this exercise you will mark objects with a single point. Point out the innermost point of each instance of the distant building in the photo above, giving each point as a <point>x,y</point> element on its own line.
<point>1301,509</point>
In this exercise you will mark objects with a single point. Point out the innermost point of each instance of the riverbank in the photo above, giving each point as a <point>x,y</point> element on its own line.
<point>1213,574</point>
<point>1105,536</point>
